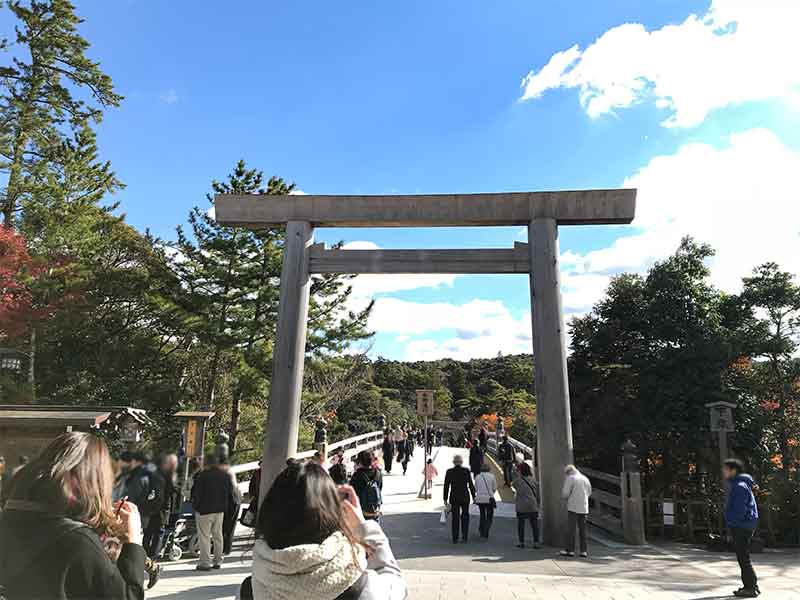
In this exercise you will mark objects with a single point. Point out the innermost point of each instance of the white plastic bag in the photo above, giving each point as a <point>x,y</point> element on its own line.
<point>443,517</point>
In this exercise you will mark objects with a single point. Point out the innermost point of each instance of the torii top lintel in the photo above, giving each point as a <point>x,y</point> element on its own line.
<point>580,207</point>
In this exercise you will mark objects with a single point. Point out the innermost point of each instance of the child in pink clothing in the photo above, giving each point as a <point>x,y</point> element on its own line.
<point>430,473</point>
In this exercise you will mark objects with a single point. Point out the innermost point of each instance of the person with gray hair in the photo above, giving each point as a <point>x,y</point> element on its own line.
<point>576,492</point>
<point>458,488</point>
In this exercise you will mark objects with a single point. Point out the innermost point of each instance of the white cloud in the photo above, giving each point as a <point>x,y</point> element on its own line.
<point>170,96</point>
<point>739,51</point>
<point>741,198</point>
<point>366,287</point>
<point>482,328</point>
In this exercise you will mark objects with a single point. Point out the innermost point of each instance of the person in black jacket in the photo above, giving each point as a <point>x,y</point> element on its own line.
<point>367,481</point>
<point>388,451</point>
<point>505,454</point>
<point>458,488</point>
<point>153,533</point>
<point>59,509</point>
<point>475,458</point>
<point>211,494</point>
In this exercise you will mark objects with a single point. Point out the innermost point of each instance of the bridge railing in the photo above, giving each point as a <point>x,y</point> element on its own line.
<point>351,446</point>
<point>527,451</point>
<point>605,504</point>
<point>616,504</point>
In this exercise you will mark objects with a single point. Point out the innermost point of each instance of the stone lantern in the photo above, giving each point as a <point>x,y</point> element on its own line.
<point>222,450</point>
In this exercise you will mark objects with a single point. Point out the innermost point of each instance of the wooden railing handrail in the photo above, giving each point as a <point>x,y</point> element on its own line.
<point>252,466</point>
<point>607,477</point>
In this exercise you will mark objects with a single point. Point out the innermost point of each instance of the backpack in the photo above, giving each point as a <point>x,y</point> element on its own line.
<point>153,498</point>
<point>370,496</point>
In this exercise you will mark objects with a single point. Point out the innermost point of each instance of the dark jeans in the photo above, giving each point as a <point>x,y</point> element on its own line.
<point>507,468</point>
<point>151,537</point>
<point>387,462</point>
<point>460,515</point>
<point>487,514</point>
<point>228,528</point>
<point>533,517</point>
<point>741,543</point>
<point>579,521</point>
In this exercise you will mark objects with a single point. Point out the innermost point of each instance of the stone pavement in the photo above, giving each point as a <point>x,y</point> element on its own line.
<point>495,569</point>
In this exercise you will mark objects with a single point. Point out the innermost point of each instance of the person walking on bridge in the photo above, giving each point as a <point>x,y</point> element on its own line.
<point>368,484</point>
<point>505,454</point>
<point>458,488</point>
<point>576,492</point>
<point>475,458</point>
<point>388,451</point>
<point>485,488</point>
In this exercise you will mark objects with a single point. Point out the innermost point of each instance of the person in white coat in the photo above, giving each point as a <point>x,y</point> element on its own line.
<point>576,492</point>
<point>314,543</point>
<point>485,488</point>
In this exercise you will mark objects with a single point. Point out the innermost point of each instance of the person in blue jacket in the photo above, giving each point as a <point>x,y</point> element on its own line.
<point>741,516</point>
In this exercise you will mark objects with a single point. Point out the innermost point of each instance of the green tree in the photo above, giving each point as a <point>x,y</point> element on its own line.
<point>230,286</point>
<point>647,359</point>
<point>774,334</point>
<point>50,93</point>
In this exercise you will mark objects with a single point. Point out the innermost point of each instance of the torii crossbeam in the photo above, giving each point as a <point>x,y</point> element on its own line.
<point>541,212</point>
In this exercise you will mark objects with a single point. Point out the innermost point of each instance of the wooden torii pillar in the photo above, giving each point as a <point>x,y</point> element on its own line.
<point>540,212</point>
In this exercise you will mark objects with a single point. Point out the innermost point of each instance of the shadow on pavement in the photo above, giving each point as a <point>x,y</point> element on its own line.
<point>205,592</point>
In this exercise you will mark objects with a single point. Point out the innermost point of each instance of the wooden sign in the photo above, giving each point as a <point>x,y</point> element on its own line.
<point>425,406</point>
<point>191,437</point>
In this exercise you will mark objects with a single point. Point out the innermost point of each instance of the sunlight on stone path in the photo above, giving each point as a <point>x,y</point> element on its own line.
<point>496,570</point>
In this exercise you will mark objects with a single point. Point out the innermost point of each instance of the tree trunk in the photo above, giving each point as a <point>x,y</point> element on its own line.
<point>14,178</point>
<point>32,364</point>
<point>233,430</point>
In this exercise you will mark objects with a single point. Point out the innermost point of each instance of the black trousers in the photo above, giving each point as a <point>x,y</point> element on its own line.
<point>576,520</point>
<point>228,528</point>
<point>741,543</point>
<point>487,514</point>
<point>387,462</point>
<point>507,468</point>
<point>533,518</point>
<point>460,516</point>
<point>151,537</point>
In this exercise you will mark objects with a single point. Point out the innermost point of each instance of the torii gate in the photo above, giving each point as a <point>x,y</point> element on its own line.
<point>541,212</point>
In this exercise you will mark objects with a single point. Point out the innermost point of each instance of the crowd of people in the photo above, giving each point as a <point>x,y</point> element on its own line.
<point>76,523</point>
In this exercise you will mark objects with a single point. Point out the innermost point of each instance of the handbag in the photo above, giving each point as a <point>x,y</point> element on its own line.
<point>492,501</point>
<point>249,517</point>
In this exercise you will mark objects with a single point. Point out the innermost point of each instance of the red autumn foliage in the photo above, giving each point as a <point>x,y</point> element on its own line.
<point>17,271</point>
<point>491,421</point>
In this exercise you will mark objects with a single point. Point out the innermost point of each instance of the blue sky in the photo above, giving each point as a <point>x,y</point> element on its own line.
<point>700,113</point>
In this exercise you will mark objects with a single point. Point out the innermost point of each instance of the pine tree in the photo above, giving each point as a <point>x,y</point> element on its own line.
<point>54,94</point>
<point>231,283</point>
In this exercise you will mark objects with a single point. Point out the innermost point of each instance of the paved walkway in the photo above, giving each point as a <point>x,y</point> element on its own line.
<point>495,569</point>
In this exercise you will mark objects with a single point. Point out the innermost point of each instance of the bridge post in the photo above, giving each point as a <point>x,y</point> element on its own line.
<point>631,493</point>
<point>283,421</point>
<point>554,439</point>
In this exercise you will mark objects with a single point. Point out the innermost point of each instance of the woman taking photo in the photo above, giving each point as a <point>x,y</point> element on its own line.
<point>58,510</point>
<point>314,543</point>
